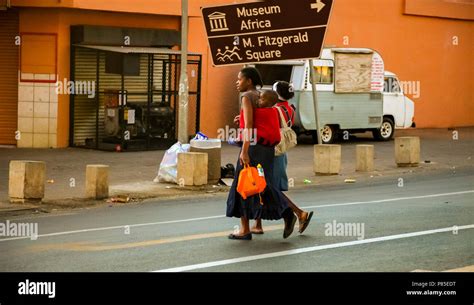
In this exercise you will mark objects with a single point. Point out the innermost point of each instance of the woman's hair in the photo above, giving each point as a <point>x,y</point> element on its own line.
<point>284,90</point>
<point>252,74</point>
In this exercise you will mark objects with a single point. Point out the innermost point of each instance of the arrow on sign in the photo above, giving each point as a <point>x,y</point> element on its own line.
<point>318,5</point>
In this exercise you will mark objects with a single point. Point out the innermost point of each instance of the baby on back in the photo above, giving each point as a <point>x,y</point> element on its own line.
<point>266,124</point>
<point>265,119</point>
<point>268,99</point>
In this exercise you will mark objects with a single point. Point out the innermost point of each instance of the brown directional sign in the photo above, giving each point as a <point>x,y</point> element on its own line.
<point>269,30</point>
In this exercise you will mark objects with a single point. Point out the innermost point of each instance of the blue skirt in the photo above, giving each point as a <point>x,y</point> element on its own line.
<point>280,178</point>
<point>275,205</point>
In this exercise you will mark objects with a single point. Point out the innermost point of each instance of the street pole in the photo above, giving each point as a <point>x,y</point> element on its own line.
<point>315,99</point>
<point>183,79</point>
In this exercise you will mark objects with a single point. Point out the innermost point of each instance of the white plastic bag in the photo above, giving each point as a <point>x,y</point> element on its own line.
<point>168,171</point>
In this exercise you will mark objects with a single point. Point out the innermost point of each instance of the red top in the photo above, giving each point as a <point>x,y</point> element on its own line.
<point>267,123</point>
<point>289,114</point>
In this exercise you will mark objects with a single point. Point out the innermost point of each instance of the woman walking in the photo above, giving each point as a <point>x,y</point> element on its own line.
<point>275,204</point>
<point>280,177</point>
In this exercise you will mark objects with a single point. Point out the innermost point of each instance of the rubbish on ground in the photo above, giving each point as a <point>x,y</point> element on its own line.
<point>227,181</point>
<point>200,136</point>
<point>306,181</point>
<point>168,171</point>
<point>50,181</point>
<point>168,187</point>
<point>349,180</point>
<point>119,198</point>
<point>228,171</point>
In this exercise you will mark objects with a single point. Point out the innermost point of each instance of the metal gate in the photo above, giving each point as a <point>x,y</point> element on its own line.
<point>130,110</point>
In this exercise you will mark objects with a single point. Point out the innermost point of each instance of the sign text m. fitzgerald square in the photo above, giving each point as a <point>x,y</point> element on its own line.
<point>269,30</point>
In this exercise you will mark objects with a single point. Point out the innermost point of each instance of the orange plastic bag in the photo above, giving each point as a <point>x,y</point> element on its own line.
<point>251,181</point>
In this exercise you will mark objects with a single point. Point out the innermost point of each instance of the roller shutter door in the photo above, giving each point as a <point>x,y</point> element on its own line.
<point>9,27</point>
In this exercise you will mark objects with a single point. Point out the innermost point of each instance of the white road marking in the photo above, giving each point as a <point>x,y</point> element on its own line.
<point>116,227</point>
<point>390,200</point>
<point>223,216</point>
<point>310,249</point>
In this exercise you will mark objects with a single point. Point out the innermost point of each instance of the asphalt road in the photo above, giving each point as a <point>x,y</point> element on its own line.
<point>406,228</point>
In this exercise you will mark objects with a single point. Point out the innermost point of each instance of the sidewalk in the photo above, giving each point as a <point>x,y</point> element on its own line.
<point>132,173</point>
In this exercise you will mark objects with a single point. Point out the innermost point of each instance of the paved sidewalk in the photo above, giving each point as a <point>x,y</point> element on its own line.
<point>132,173</point>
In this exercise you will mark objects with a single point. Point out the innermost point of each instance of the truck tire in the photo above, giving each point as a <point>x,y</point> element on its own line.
<point>386,131</point>
<point>329,135</point>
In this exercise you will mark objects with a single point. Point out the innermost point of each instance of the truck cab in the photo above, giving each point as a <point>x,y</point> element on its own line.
<point>396,105</point>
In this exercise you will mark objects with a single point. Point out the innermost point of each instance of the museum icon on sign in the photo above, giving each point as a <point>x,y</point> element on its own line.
<point>218,22</point>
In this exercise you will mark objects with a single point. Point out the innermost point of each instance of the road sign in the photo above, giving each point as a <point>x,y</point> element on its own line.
<point>269,30</point>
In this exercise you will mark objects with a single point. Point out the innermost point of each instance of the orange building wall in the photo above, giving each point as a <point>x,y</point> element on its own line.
<point>416,49</point>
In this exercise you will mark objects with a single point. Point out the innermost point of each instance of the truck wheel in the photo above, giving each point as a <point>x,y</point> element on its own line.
<point>386,131</point>
<point>328,135</point>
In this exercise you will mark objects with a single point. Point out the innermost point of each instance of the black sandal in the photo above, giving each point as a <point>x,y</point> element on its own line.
<point>305,223</point>
<point>289,226</point>
<point>242,237</point>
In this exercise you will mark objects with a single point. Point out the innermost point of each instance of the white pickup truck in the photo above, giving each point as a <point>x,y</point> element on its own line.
<point>355,94</point>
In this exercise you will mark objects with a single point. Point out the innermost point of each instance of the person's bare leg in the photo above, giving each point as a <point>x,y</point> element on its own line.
<point>244,226</point>
<point>299,212</point>
<point>257,227</point>
<point>302,215</point>
<point>244,231</point>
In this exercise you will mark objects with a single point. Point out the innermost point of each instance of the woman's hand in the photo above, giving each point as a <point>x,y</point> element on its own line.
<point>237,120</point>
<point>244,158</point>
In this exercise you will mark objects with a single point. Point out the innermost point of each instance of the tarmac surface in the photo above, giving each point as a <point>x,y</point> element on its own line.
<point>427,224</point>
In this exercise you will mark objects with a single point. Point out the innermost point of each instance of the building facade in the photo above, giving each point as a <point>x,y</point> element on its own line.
<point>427,43</point>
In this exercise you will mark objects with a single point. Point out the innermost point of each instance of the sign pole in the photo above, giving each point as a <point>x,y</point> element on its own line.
<point>315,99</point>
<point>183,79</point>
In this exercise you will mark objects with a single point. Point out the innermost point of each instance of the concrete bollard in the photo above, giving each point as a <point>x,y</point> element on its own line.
<point>364,158</point>
<point>327,159</point>
<point>212,147</point>
<point>407,151</point>
<point>192,168</point>
<point>26,181</point>
<point>97,181</point>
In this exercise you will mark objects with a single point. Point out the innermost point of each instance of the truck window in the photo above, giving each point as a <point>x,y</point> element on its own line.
<point>324,74</point>
<point>391,85</point>
<point>272,73</point>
